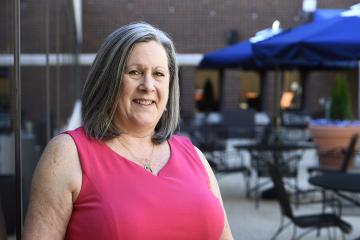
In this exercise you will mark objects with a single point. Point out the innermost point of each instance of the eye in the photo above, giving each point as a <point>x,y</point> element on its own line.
<point>159,74</point>
<point>134,72</point>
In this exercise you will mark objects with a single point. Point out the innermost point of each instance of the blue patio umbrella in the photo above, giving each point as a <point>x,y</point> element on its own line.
<point>241,55</point>
<point>238,55</point>
<point>324,14</point>
<point>332,42</point>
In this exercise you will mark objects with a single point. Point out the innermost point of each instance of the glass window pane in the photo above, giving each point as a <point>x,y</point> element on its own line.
<point>7,140</point>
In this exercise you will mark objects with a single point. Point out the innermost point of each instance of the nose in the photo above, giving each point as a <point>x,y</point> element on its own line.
<point>147,83</point>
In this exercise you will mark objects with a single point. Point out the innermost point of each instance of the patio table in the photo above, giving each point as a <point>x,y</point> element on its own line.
<point>338,183</point>
<point>276,149</point>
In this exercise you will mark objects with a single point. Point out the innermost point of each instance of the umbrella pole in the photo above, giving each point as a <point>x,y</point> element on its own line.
<point>277,96</point>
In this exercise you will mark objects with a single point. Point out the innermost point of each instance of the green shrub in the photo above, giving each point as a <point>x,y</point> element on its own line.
<point>340,108</point>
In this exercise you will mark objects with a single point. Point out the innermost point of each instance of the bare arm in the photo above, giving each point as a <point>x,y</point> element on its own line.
<point>55,186</point>
<point>214,187</point>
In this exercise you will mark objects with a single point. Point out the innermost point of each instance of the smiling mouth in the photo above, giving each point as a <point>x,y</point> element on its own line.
<point>144,102</point>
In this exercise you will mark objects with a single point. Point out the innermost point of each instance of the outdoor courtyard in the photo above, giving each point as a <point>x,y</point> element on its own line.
<point>249,223</point>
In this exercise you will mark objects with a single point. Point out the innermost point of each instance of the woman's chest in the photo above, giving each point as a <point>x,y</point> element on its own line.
<point>156,208</point>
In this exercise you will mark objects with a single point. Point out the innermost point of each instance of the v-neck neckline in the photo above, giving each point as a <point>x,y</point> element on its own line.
<point>137,165</point>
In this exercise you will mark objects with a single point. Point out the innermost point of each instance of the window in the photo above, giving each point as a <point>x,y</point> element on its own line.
<point>291,98</point>
<point>207,91</point>
<point>250,90</point>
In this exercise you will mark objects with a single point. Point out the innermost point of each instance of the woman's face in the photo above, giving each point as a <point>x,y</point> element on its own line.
<point>145,87</point>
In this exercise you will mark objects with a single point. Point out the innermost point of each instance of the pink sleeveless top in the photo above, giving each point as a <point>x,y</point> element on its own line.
<point>121,200</point>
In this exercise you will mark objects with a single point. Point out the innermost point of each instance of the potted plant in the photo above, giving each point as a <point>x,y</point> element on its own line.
<point>332,135</point>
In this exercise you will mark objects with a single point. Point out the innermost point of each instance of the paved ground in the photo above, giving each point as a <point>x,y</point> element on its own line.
<point>249,223</point>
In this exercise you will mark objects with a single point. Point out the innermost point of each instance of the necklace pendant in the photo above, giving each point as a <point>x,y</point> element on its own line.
<point>148,168</point>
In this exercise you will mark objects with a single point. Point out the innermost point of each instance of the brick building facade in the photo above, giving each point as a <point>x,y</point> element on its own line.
<point>195,26</point>
<point>202,26</point>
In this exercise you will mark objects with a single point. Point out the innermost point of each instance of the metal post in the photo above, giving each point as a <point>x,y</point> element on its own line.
<point>17,121</point>
<point>262,91</point>
<point>57,78</point>
<point>221,89</point>
<point>47,67</point>
<point>277,96</point>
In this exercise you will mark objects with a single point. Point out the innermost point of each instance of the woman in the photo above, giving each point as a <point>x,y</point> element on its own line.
<point>124,175</point>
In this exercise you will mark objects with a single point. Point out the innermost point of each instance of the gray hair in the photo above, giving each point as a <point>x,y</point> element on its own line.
<point>102,86</point>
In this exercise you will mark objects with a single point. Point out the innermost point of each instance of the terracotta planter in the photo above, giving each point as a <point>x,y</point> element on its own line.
<point>332,138</point>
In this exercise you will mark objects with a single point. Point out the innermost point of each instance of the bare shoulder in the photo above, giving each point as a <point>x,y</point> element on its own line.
<point>55,186</point>
<point>62,143</point>
<point>60,162</point>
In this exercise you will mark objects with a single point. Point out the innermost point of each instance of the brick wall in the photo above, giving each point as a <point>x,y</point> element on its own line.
<point>5,27</point>
<point>195,26</point>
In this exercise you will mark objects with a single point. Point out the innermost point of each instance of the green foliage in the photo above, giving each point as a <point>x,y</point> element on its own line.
<point>340,108</point>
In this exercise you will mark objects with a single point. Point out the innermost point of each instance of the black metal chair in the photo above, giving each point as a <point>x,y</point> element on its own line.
<point>288,163</point>
<point>211,139</point>
<point>239,123</point>
<point>288,166</point>
<point>294,126</point>
<point>309,221</point>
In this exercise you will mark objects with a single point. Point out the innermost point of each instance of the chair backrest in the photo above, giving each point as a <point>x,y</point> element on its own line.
<point>267,135</point>
<point>295,119</point>
<point>349,153</point>
<point>282,195</point>
<point>240,123</point>
<point>210,137</point>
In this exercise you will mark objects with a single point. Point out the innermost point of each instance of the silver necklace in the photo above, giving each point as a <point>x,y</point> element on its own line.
<point>146,163</point>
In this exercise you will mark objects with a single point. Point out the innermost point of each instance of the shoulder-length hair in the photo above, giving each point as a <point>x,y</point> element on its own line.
<point>102,87</point>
